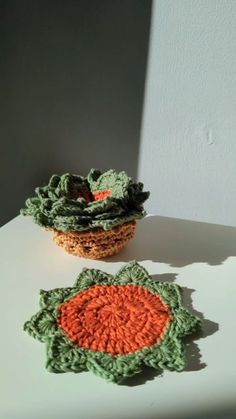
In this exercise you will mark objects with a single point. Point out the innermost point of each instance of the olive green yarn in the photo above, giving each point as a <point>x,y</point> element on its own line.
<point>64,356</point>
<point>61,203</point>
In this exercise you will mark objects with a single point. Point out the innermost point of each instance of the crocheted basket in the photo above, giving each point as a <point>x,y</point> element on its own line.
<point>96,243</point>
<point>113,325</point>
<point>93,216</point>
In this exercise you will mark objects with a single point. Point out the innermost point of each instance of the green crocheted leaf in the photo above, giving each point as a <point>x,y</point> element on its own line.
<point>41,325</point>
<point>136,194</point>
<point>63,207</point>
<point>62,356</point>
<point>54,181</point>
<point>72,186</point>
<point>113,369</point>
<point>117,183</point>
<point>105,208</point>
<point>108,224</point>
<point>185,323</point>
<point>168,355</point>
<point>89,277</point>
<point>132,272</point>
<point>170,293</point>
<point>51,299</point>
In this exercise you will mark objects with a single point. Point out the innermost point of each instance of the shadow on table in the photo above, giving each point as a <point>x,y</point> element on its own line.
<point>179,242</point>
<point>209,327</point>
<point>209,412</point>
<point>192,352</point>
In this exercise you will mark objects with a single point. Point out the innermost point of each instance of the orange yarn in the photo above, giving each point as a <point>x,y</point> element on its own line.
<point>96,243</point>
<point>114,319</point>
<point>100,195</point>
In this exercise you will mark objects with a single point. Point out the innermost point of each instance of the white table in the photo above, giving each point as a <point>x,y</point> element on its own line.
<point>200,257</point>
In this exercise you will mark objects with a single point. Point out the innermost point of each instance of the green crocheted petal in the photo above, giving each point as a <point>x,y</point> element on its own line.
<point>64,207</point>
<point>108,205</point>
<point>167,355</point>
<point>136,195</point>
<point>117,183</point>
<point>71,223</point>
<point>32,205</point>
<point>52,298</point>
<point>54,181</point>
<point>132,272</point>
<point>63,356</point>
<point>169,293</point>
<point>71,185</point>
<point>41,325</point>
<point>93,176</point>
<point>39,210</point>
<point>46,207</point>
<point>89,277</point>
<point>113,222</point>
<point>114,369</point>
<point>184,322</point>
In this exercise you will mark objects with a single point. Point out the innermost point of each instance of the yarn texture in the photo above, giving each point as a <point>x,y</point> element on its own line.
<point>76,203</point>
<point>96,243</point>
<point>113,325</point>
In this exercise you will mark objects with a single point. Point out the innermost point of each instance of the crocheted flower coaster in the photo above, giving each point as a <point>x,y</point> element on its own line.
<point>113,325</point>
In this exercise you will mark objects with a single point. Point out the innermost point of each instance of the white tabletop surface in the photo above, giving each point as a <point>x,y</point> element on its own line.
<point>198,256</point>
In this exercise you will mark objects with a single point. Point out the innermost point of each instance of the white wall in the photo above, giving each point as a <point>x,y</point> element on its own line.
<point>188,147</point>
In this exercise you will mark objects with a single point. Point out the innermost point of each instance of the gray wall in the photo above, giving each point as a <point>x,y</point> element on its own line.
<point>72,79</point>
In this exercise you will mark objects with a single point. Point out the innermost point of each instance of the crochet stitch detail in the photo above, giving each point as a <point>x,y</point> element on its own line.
<point>113,325</point>
<point>100,195</point>
<point>76,203</point>
<point>114,319</point>
<point>96,243</point>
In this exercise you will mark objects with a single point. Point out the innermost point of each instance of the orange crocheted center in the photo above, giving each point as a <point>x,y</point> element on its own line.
<point>100,195</point>
<point>114,319</point>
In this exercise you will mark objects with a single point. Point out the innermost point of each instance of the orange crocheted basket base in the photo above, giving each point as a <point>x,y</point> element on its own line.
<point>96,243</point>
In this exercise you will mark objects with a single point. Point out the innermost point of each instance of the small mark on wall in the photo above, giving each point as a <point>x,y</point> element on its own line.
<point>209,138</point>
<point>204,133</point>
